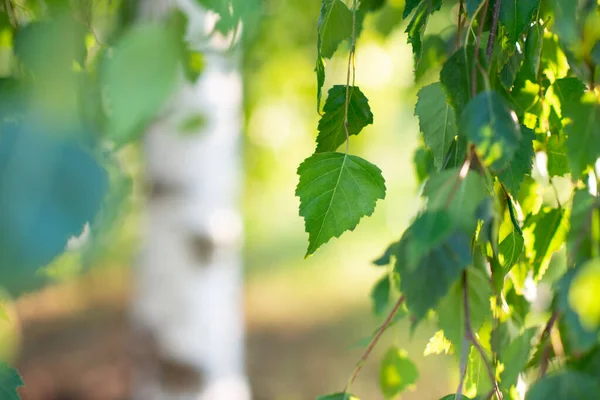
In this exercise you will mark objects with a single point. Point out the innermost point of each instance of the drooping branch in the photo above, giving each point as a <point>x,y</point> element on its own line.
<point>373,342</point>
<point>470,337</point>
<point>493,30</point>
<point>350,73</point>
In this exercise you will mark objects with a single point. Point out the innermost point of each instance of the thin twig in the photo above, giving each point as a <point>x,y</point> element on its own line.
<point>470,336</point>
<point>350,69</point>
<point>493,30</point>
<point>545,334</point>
<point>373,342</point>
<point>476,50</point>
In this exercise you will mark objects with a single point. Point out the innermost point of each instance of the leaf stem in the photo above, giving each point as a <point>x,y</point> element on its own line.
<point>545,334</point>
<point>470,336</point>
<point>463,367</point>
<point>351,72</point>
<point>373,342</point>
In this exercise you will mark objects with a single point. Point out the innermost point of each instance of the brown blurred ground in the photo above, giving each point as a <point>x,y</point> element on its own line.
<point>77,343</point>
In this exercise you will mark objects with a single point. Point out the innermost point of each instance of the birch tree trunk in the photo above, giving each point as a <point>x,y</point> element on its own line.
<point>188,297</point>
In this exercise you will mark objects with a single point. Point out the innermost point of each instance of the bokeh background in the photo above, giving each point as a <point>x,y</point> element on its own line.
<point>305,319</point>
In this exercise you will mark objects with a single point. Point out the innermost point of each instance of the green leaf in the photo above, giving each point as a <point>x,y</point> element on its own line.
<point>583,133</point>
<point>516,15</point>
<point>569,92</point>
<point>453,396</point>
<point>510,250</point>
<point>492,126</point>
<point>579,240</point>
<point>434,55</point>
<point>456,77</point>
<point>521,165</point>
<point>410,5</point>
<point>138,78</point>
<point>423,162</point>
<point>380,295</point>
<point>424,285</point>
<point>576,338</point>
<point>336,190</point>
<point>533,51</point>
<point>565,19</point>
<point>428,231</point>
<point>451,310</point>
<point>338,396</point>
<point>459,195</point>
<point>438,344</point>
<point>583,295</point>
<point>320,70</point>
<point>437,121</point>
<point>416,27</point>
<point>514,356</point>
<point>508,73</point>
<point>558,162</point>
<point>10,380</point>
<point>564,385</point>
<point>331,126</point>
<point>548,229</point>
<point>397,372</point>
<point>335,26</point>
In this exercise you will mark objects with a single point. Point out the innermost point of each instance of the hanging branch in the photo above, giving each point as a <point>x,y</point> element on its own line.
<point>494,30</point>
<point>350,73</point>
<point>470,337</point>
<point>373,342</point>
<point>459,27</point>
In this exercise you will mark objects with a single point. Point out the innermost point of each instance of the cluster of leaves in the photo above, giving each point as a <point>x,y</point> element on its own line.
<point>519,85</point>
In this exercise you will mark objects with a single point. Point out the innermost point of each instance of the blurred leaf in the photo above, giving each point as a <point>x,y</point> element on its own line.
<point>579,238</point>
<point>50,186</point>
<point>460,196</point>
<point>426,283</point>
<point>338,396</point>
<point>548,228</point>
<point>451,310</point>
<point>583,297</point>
<point>558,163</point>
<point>336,190</point>
<point>416,27</point>
<point>320,71</point>
<point>335,25</point>
<point>455,77</point>
<point>437,121</point>
<point>10,381</point>
<point>583,133</point>
<point>492,126</point>
<point>332,132</point>
<point>515,357</point>
<point>138,78</point>
<point>521,165</point>
<point>438,344</point>
<point>434,55</point>
<point>576,338</point>
<point>516,15</point>
<point>508,73</point>
<point>423,162</point>
<point>564,385</point>
<point>397,372</point>
<point>380,295</point>
<point>472,6</point>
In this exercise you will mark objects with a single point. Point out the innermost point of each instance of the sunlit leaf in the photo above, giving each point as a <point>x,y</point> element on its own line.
<point>335,25</point>
<point>336,190</point>
<point>516,15</point>
<point>397,372</point>
<point>332,132</point>
<point>437,121</point>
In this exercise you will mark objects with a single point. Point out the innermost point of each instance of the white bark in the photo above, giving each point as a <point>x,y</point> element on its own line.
<point>189,278</point>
